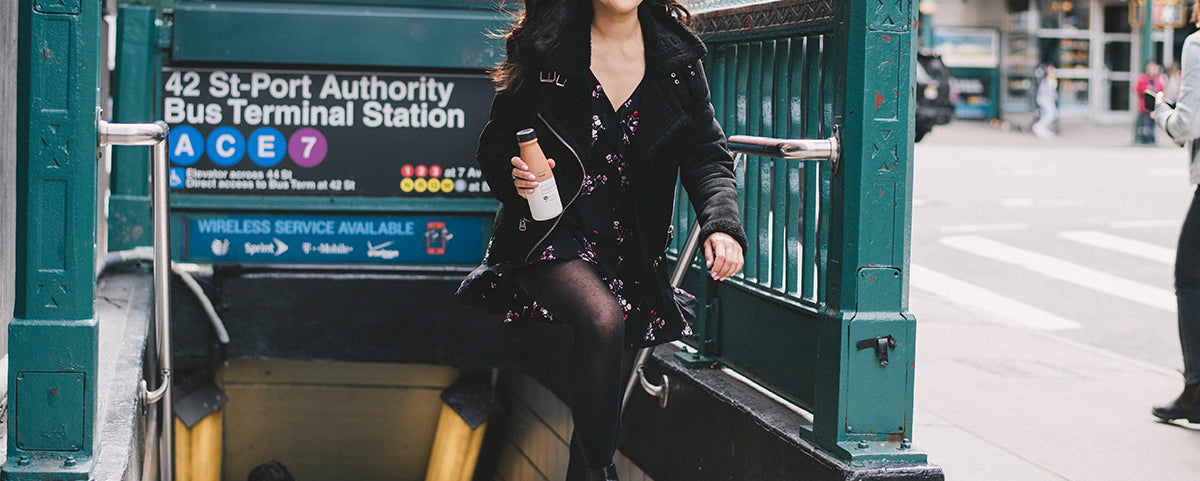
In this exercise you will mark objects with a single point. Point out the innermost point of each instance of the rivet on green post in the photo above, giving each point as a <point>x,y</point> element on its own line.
<point>53,335</point>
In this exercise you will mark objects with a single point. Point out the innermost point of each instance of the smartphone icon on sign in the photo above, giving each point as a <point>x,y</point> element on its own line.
<point>436,236</point>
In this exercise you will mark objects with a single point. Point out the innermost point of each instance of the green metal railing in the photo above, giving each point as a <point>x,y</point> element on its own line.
<point>780,197</point>
<point>773,88</point>
<point>783,171</point>
<point>819,313</point>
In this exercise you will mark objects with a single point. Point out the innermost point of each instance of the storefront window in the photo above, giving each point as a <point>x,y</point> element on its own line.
<point>1065,53</point>
<point>1073,95</point>
<point>1064,14</point>
<point>1021,58</point>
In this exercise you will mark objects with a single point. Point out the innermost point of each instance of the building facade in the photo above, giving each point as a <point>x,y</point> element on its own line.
<point>995,49</point>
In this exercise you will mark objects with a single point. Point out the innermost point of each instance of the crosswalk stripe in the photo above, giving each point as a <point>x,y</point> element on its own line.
<point>1056,268</point>
<point>1137,248</point>
<point>973,228</point>
<point>1144,224</point>
<point>1009,310</point>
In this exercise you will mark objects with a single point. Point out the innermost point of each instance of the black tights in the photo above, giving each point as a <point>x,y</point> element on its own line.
<point>573,292</point>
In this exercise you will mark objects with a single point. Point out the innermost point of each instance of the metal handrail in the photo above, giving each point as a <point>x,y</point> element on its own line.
<point>824,150</point>
<point>155,134</point>
<point>638,375</point>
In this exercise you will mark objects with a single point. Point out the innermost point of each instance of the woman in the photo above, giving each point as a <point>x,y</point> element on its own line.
<point>1152,80</point>
<point>1171,85</point>
<point>1182,124</point>
<point>616,94</point>
<point>1047,102</point>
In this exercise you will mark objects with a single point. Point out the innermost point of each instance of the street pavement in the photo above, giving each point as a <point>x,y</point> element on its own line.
<point>1041,284</point>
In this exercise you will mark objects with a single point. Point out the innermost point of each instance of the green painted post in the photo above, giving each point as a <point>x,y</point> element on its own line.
<point>134,87</point>
<point>1147,33</point>
<point>53,335</point>
<point>925,24</point>
<point>865,408</point>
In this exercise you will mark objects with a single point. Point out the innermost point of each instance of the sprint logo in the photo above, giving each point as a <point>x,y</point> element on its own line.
<point>276,247</point>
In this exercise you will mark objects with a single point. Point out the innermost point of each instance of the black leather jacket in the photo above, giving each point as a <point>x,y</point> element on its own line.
<point>678,137</point>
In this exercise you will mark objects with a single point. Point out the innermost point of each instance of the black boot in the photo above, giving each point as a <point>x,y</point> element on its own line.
<point>607,473</point>
<point>1185,406</point>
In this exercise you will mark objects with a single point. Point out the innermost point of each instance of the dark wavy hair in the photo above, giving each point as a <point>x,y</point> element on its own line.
<point>539,27</point>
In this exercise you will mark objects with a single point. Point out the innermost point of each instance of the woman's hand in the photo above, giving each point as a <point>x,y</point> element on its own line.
<point>523,179</point>
<point>722,255</point>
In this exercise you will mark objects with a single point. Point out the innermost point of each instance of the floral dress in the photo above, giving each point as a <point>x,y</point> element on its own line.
<point>597,228</point>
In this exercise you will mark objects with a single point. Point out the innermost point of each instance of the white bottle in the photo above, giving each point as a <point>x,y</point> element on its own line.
<point>544,203</point>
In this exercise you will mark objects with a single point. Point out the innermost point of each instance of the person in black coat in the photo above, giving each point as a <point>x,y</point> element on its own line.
<point>616,93</point>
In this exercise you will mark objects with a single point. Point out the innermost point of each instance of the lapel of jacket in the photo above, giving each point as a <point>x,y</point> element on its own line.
<point>662,111</point>
<point>564,85</point>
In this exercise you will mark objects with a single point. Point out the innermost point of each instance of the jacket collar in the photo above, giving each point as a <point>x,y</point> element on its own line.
<point>669,44</point>
<point>565,82</point>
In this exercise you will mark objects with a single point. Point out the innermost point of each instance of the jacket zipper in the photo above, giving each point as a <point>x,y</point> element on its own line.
<point>582,168</point>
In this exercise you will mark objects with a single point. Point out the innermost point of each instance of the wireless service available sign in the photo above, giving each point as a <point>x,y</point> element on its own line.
<point>264,132</point>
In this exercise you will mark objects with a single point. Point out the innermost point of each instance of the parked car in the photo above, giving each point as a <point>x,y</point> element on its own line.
<point>935,98</point>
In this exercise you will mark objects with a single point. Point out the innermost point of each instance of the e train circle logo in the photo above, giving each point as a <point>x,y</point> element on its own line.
<point>266,146</point>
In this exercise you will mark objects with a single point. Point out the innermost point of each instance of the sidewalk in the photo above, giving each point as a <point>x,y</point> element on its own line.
<point>1003,403</point>
<point>995,402</point>
<point>1073,133</point>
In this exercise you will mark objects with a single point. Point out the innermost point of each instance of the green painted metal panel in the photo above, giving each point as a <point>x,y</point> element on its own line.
<point>817,179</point>
<point>879,406</point>
<point>829,247</point>
<point>868,233</point>
<point>1146,35</point>
<point>800,68</point>
<point>56,169</point>
<point>129,222</point>
<point>53,336</point>
<point>781,263</point>
<point>760,98</point>
<point>317,34</point>
<point>771,341</point>
<point>39,395</point>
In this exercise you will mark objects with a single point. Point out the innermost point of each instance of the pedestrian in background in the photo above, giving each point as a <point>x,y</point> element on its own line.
<point>1171,86</point>
<point>1182,124</point>
<point>617,95</point>
<point>1151,80</point>
<point>1047,102</point>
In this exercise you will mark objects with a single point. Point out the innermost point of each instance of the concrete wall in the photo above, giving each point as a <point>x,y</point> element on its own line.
<point>8,162</point>
<point>970,13</point>
<point>538,430</point>
<point>331,420</point>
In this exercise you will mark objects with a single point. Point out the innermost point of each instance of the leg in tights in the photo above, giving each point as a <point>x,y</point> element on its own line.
<point>573,292</point>
<point>1187,291</point>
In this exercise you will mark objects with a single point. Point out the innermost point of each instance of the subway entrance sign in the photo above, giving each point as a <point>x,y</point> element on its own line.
<point>336,113</point>
<point>385,158</point>
<point>324,133</point>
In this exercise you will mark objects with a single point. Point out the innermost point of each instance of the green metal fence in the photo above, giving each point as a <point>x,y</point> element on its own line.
<point>822,300</point>
<point>781,198</point>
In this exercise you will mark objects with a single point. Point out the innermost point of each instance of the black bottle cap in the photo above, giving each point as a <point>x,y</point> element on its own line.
<point>526,135</point>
